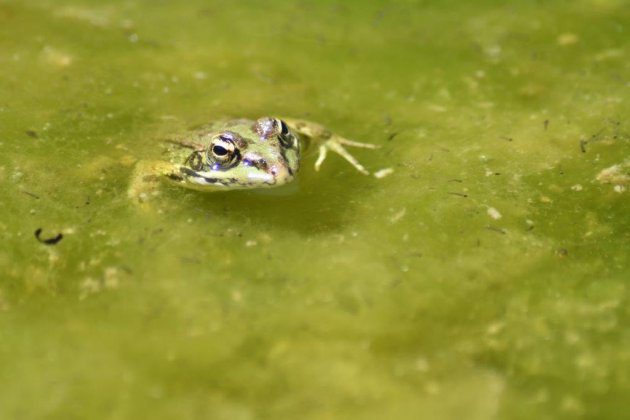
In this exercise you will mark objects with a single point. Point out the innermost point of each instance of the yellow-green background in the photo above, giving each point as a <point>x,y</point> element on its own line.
<point>344,296</point>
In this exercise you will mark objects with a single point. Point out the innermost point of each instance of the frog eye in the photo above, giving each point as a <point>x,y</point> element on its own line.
<point>223,151</point>
<point>286,137</point>
<point>284,129</point>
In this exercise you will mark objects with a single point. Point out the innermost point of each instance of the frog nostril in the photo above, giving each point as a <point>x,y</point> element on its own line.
<point>256,162</point>
<point>261,164</point>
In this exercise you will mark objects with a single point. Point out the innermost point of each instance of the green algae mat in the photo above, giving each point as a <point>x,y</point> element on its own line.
<point>482,275</point>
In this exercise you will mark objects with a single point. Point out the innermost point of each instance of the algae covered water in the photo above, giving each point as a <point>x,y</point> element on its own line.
<point>485,277</point>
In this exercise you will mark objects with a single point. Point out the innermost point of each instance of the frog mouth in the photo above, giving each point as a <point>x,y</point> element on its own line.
<point>208,179</point>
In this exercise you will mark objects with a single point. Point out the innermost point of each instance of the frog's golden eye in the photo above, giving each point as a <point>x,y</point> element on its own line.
<point>223,151</point>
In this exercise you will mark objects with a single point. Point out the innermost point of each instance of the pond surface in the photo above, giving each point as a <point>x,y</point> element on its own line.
<point>486,277</point>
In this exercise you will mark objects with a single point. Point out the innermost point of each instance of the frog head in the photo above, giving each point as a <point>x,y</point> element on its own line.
<point>242,155</point>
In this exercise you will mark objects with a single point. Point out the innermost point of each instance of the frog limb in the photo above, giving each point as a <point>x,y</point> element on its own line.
<point>145,179</point>
<point>341,151</point>
<point>329,142</point>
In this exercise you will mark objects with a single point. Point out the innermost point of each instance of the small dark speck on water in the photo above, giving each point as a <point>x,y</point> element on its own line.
<point>459,194</point>
<point>583,144</point>
<point>562,252</point>
<point>30,194</point>
<point>32,133</point>
<point>48,241</point>
<point>496,229</point>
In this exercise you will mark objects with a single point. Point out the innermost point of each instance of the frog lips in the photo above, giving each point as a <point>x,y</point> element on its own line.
<point>261,177</point>
<point>205,178</point>
<point>219,179</point>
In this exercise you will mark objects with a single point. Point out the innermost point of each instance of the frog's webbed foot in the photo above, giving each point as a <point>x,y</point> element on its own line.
<point>145,180</point>
<point>330,142</point>
<point>335,144</point>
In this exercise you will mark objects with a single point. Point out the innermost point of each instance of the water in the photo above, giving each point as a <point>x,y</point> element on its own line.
<point>485,278</point>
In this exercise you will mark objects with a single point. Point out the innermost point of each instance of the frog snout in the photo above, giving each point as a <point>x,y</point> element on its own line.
<point>281,173</point>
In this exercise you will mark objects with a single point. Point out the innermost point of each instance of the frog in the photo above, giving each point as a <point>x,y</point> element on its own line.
<point>239,154</point>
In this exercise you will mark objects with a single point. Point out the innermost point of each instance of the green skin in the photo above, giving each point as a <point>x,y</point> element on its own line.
<point>238,154</point>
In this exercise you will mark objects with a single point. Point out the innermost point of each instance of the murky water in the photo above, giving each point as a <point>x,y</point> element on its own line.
<point>485,278</point>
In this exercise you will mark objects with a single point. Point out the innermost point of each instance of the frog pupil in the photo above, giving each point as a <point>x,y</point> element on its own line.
<point>219,150</point>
